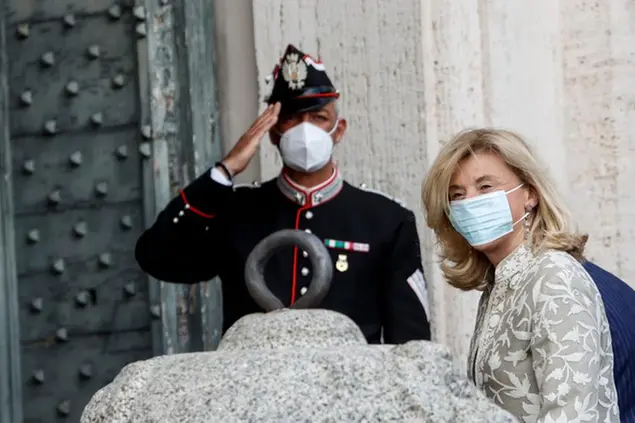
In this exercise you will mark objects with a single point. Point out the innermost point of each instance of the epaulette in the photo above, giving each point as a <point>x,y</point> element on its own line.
<point>374,191</point>
<point>254,184</point>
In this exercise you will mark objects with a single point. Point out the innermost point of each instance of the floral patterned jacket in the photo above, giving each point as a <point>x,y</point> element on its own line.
<point>541,348</point>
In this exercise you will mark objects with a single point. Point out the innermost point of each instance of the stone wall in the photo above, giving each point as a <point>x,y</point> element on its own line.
<point>413,72</point>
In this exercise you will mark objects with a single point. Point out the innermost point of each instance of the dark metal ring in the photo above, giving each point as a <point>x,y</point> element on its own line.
<point>265,249</point>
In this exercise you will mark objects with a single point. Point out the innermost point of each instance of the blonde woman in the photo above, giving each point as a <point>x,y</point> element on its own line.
<point>541,348</point>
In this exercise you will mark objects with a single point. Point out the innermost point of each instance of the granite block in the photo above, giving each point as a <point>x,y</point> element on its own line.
<point>296,366</point>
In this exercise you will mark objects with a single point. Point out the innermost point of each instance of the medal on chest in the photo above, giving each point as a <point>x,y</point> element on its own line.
<point>342,263</point>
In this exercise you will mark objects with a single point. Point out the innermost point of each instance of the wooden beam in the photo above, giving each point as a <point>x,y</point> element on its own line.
<point>201,144</point>
<point>179,105</point>
<point>154,50</point>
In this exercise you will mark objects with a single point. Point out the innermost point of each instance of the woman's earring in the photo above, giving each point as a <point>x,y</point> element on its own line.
<point>527,223</point>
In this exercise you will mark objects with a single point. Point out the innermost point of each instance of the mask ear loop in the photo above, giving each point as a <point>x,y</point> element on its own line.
<point>514,189</point>
<point>524,217</point>
<point>334,127</point>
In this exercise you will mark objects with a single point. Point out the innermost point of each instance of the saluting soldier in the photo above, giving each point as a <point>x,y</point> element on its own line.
<point>213,225</point>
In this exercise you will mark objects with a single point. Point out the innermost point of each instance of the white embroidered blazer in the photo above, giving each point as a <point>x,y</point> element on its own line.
<point>541,348</point>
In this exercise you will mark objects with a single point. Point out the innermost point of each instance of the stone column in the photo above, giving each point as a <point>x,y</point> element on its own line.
<point>598,43</point>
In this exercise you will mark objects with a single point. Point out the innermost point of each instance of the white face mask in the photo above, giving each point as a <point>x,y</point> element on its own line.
<point>306,147</point>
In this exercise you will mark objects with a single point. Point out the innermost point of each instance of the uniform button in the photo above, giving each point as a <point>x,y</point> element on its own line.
<point>308,231</point>
<point>305,271</point>
<point>305,254</point>
<point>309,214</point>
<point>181,213</point>
<point>303,290</point>
<point>175,220</point>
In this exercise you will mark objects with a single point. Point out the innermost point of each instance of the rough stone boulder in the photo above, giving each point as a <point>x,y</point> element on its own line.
<point>295,366</point>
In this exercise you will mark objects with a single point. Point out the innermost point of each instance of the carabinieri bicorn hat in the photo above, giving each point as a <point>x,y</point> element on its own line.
<point>300,83</point>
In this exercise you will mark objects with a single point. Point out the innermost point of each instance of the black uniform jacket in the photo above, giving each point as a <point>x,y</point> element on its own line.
<point>210,229</point>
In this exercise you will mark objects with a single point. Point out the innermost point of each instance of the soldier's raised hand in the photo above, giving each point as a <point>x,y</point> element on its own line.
<point>247,146</point>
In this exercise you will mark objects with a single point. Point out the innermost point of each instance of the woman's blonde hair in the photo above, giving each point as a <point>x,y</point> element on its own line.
<point>550,228</point>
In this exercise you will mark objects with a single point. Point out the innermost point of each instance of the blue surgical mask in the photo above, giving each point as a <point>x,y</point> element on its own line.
<point>485,218</point>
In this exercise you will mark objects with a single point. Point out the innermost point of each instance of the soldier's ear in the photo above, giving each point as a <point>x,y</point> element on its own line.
<point>274,136</point>
<point>339,131</point>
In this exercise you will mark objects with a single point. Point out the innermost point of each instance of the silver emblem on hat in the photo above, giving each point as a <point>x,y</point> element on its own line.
<point>294,71</point>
